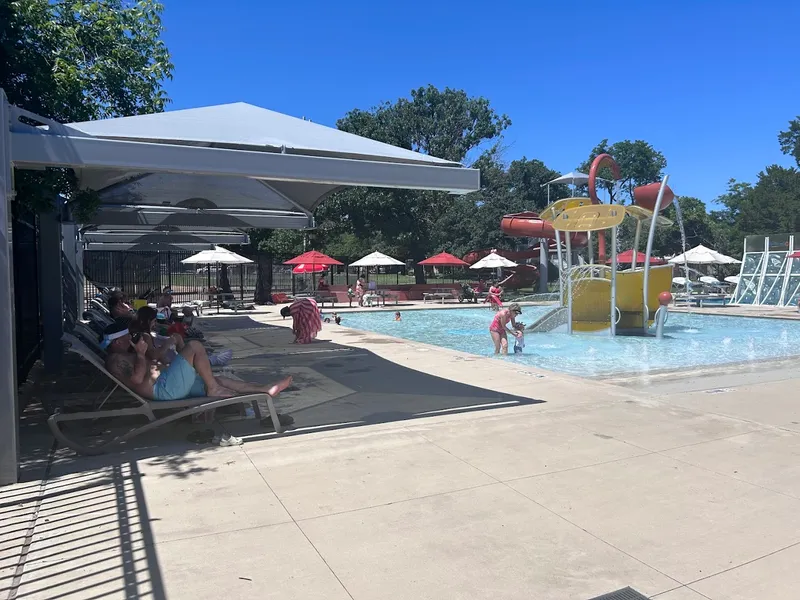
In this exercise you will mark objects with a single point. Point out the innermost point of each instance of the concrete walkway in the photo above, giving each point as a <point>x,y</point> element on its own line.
<point>421,473</point>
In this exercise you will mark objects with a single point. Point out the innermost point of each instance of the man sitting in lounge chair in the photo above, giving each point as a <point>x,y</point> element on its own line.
<point>118,306</point>
<point>188,376</point>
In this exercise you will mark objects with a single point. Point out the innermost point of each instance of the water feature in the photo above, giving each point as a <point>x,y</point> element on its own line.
<point>690,340</point>
<point>679,219</point>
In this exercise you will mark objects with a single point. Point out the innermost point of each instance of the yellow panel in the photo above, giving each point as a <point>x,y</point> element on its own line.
<point>591,298</point>
<point>556,208</point>
<point>642,214</point>
<point>594,217</point>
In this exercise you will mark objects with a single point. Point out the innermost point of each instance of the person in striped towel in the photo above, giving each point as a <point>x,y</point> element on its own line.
<point>306,319</point>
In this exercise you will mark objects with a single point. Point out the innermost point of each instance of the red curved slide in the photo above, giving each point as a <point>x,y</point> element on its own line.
<point>528,224</point>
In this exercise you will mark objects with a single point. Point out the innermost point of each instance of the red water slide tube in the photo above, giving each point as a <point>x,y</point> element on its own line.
<point>528,224</point>
<point>602,160</point>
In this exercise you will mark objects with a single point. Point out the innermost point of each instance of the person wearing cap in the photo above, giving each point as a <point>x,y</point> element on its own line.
<point>188,376</point>
<point>499,328</point>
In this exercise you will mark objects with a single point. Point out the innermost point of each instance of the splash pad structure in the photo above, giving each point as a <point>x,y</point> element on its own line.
<point>600,297</point>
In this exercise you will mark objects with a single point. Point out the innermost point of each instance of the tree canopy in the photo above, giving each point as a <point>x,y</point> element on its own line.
<point>74,60</point>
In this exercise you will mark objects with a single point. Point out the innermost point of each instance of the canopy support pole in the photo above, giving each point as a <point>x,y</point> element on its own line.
<point>9,409</point>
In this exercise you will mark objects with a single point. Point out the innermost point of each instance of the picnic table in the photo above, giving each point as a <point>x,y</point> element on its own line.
<point>381,296</point>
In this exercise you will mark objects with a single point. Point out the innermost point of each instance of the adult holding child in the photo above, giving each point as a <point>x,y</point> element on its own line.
<point>499,329</point>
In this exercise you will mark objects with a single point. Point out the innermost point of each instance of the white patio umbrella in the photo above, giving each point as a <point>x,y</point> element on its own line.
<point>734,279</point>
<point>700,255</point>
<point>493,261</point>
<point>708,280</point>
<point>377,259</point>
<point>681,281</point>
<point>219,256</point>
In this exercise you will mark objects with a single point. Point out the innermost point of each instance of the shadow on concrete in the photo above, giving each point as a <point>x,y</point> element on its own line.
<point>86,535</point>
<point>335,386</point>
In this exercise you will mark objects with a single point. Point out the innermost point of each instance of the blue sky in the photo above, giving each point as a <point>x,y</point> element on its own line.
<point>708,83</point>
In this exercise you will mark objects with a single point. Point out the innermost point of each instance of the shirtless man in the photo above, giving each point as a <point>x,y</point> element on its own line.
<point>188,376</point>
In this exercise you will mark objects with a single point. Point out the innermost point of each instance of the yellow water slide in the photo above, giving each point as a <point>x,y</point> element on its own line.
<point>591,296</point>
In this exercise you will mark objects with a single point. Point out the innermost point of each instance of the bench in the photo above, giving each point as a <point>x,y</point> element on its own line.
<point>433,296</point>
<point>321,300</point>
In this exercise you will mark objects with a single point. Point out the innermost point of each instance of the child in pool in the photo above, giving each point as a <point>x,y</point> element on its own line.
<point>397,316</point>
<point>519,341</point>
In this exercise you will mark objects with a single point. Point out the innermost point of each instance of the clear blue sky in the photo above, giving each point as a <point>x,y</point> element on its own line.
<point>708,83</point>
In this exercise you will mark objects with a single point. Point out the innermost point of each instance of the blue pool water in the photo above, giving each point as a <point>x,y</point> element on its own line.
<point>690,341</point>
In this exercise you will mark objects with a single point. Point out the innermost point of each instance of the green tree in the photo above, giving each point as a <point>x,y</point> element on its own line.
<point>73,60</point>
<point>696,224</point>
<point>638,161</point>
<point>445,123</point>
<point>790,140</point>
<point>473,221</point>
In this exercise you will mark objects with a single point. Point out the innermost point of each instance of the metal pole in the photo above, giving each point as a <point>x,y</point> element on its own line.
<point>589,247</point>
<point>569,284</point>
<point>560,269</point>
<point>613,281</point>
<point>650,237</point>
<point>635,250</point>
<point>9,419</point>
<point>543,265</point>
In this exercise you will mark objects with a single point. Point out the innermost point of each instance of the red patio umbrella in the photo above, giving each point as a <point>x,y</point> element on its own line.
<point>312,258</point>
<point>794,254</point>
<point>443,260</point>
<point>627,258</point>
<point>307,268</point>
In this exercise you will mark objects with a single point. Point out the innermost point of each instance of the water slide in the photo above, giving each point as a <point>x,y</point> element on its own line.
<point>591,285</point>
<point>528,224</point>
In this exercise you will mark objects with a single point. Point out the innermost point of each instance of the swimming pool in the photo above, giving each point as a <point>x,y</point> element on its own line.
<point>690,340</point>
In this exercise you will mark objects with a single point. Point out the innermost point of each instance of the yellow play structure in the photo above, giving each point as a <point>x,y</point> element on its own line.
<point>599,297</point>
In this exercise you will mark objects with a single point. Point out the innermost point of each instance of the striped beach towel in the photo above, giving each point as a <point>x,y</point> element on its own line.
<point>306,320</point>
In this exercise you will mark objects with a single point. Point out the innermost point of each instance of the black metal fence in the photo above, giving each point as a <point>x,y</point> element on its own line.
<point>142,274</point>
<point>25,235</point>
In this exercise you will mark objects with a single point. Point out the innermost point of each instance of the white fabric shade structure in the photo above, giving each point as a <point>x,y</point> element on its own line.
<point>681,281</point>
<point>493,261</point>
<point>377,259</point>
<point>96,238</point>
<point>230,167</point>
<point>571,178</point>
<point>700,255</point>
<point>218,255</point>
<point>734,279</point>
<point>189,168</point>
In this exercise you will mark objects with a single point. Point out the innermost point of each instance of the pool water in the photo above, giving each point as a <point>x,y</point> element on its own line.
<point>690,340</point>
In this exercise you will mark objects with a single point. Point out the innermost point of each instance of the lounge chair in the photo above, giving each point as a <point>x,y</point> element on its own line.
<point>144,407</point>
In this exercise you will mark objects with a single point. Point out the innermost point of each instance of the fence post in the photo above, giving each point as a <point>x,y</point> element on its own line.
<point>9,417</point>
<point>51,303</point>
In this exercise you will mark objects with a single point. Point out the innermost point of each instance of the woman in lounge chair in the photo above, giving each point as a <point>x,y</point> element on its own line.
<point>306,319</point>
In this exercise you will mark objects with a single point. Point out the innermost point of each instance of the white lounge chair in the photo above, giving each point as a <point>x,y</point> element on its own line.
<point>144,407</point>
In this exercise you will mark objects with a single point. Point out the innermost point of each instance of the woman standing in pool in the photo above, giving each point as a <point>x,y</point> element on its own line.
<point>499,328</point>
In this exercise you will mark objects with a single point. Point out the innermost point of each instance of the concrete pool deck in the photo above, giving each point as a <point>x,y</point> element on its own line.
<point>420,472</point>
